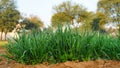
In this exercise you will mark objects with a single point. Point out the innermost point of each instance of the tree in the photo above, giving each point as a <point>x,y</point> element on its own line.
<point>60,18</point>
<point>68,10</point>
<point>36,20</point>
<point>86,19</point>
<point>99,20</point>
<point>9,16</point>
<point>110,8</point>
<point>32,22</point>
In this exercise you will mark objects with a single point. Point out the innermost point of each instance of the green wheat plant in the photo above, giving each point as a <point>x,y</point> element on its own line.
<point>63,45</point>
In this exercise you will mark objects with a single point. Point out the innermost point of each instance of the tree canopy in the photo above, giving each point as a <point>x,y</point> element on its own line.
<point>60,18</point>
<point>110,8</point>
<point>98,21</point>
<point>32,22</point>
<point>68,12</point>
<point>9,16</point>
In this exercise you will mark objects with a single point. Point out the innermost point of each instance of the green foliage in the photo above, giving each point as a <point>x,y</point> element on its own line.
<point>60,19</point>
<point>111,9</point>
<point>68,12</point>
<point>98,21</point>
<point>95,24</point>
<point>29,49</point>
<point>32,22</point>
<point>9,16</point>
<point>63,45</point>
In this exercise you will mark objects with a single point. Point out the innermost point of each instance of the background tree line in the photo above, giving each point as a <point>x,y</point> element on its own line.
<point>108,11</point>
<point>10,17</point>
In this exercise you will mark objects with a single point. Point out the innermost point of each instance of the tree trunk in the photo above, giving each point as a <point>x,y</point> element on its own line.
<point>1,35</point>
<point>5,36</point>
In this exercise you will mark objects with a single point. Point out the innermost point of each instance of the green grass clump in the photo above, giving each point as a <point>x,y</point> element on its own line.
<point>29,49</point>
<point>60,46</point>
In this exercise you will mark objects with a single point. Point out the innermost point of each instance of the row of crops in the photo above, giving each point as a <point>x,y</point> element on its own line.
<point>60,46</point>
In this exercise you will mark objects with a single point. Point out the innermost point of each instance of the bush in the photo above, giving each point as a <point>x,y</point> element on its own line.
<point>61,46</point>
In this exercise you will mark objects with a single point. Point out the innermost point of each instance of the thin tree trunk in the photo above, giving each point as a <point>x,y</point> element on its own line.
<point>1,35</point>
<point>5,36</point>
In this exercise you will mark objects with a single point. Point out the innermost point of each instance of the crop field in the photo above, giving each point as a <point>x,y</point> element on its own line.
<point>61,46</point>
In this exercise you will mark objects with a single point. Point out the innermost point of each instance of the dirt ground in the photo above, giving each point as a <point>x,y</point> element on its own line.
<point>4,63</point>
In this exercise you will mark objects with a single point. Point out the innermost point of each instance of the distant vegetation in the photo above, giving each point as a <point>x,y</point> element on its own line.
<point>9,16</point>
<point>69,12</point>
<point>64,13</point>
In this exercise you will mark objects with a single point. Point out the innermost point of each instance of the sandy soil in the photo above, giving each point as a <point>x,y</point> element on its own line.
<point>4,63</point>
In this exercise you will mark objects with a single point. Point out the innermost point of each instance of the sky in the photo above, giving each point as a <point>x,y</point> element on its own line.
<point>44,8</point>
